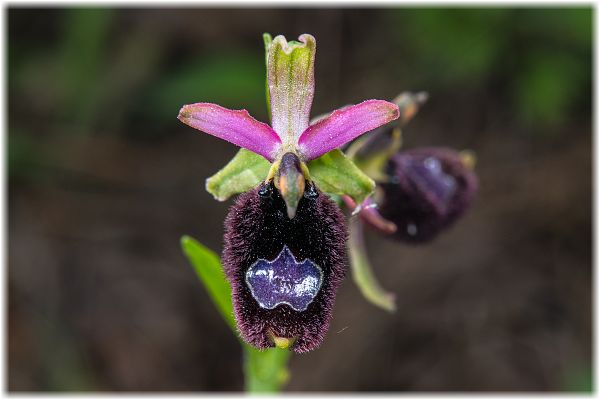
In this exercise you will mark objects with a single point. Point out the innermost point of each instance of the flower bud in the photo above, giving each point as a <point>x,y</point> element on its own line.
<point>427,191</point>
<point>284,273</point>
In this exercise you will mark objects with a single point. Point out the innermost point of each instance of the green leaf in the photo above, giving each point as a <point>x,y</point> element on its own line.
<point>336,174</point>
<point>243,172</point>
<point>207,265</point>
<point>265,371</point>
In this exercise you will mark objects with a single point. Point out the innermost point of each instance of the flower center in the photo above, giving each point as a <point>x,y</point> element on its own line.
<point>284,281</point>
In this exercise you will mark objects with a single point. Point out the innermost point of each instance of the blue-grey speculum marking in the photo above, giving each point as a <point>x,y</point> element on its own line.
<point>284,280</point>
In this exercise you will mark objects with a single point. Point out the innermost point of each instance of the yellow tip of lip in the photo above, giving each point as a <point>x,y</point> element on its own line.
<point>282,343</point>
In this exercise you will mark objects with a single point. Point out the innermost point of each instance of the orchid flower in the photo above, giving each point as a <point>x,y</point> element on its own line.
<point>285,251</point>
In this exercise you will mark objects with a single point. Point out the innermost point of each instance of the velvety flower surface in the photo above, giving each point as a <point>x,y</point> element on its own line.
<point>428,190</point>
<point>258,232</point>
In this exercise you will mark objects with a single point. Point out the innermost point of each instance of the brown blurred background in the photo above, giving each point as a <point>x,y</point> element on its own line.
<point>103,181</point>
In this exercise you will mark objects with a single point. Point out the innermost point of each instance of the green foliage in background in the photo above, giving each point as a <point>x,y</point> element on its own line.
<point>579,379</point>
<point>83,55</point>
<point>540,57</point>
<point>264,371</point>
<point>231,79</point>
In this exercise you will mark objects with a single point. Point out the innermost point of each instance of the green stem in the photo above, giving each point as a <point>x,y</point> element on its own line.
<point>265,371</point>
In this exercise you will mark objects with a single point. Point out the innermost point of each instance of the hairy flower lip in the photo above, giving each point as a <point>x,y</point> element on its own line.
<point>257,227</point>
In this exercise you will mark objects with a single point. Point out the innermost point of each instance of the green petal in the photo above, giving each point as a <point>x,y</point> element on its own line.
<point>242,173</point>
<point>334,173</point>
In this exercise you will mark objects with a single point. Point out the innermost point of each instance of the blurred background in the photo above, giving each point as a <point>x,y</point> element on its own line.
<point>104,180</point>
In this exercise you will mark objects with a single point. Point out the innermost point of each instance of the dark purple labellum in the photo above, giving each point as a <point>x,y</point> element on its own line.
<point>428,190</point>
<point>305,252</point>
<point>284,281</point>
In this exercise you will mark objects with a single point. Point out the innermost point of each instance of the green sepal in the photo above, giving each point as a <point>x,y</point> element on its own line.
<point>242,173</point>
<point>290,75</point>
<point>334,173</point>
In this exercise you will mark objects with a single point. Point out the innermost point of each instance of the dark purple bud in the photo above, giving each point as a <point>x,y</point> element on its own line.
<point>284,273</point>
<point>428,190</point>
